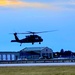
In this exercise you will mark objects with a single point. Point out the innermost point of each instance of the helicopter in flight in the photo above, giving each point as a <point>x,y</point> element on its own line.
<point>32,38</point>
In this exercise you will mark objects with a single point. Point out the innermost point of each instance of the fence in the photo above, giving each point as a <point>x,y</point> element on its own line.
<point>38,61</point>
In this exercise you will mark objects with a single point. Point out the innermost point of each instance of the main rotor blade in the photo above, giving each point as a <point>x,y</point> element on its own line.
<point>42,31</point>
<point>45,31</point>
<point>30,32</point>
<point>19,33</point>
<point>12,33</point>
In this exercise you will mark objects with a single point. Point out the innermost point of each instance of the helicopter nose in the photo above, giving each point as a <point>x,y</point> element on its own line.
<point>41,40</point>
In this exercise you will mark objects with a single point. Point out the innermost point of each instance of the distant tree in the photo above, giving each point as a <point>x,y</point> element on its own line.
<point>56,54</point>
<point>62,52</point>
<point>68,53</point>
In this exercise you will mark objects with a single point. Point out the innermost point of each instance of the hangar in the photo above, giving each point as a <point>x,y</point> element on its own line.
<point>36,53</point>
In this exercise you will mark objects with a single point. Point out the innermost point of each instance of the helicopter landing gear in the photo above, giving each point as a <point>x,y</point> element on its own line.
<point>20,44</point>
<point>32,43</point>
<point>39,42</point>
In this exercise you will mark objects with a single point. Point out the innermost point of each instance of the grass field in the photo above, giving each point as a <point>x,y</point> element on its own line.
<point>45,70</point>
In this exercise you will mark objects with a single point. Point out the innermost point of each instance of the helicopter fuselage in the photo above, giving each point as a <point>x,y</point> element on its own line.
<point>29,39</point>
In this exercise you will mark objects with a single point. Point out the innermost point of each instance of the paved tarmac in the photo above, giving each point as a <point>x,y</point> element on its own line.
<point>39,64</point>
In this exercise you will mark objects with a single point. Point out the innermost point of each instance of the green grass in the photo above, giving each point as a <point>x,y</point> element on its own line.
<point>46,70</point>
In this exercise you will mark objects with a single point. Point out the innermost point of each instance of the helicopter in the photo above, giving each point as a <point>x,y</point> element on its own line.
<point>32,38</point>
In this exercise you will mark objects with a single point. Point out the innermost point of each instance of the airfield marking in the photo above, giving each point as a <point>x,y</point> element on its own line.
<point>39,64</point>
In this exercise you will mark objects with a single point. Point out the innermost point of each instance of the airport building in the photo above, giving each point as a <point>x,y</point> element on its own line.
<point>28,53</point>
<point>36,53</point>
<point>7,56</point>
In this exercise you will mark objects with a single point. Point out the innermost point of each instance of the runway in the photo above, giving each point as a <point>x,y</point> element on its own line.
<point>38,64</point>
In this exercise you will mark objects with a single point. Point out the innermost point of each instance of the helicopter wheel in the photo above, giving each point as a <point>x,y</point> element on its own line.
<point>32,43</point>
<point>20,44</point>
<point>39,42</point>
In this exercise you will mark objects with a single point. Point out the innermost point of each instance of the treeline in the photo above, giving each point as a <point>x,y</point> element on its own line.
<point>63,53</point>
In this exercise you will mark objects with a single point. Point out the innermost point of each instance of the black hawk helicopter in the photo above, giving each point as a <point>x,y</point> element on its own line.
<point>32,38</point>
